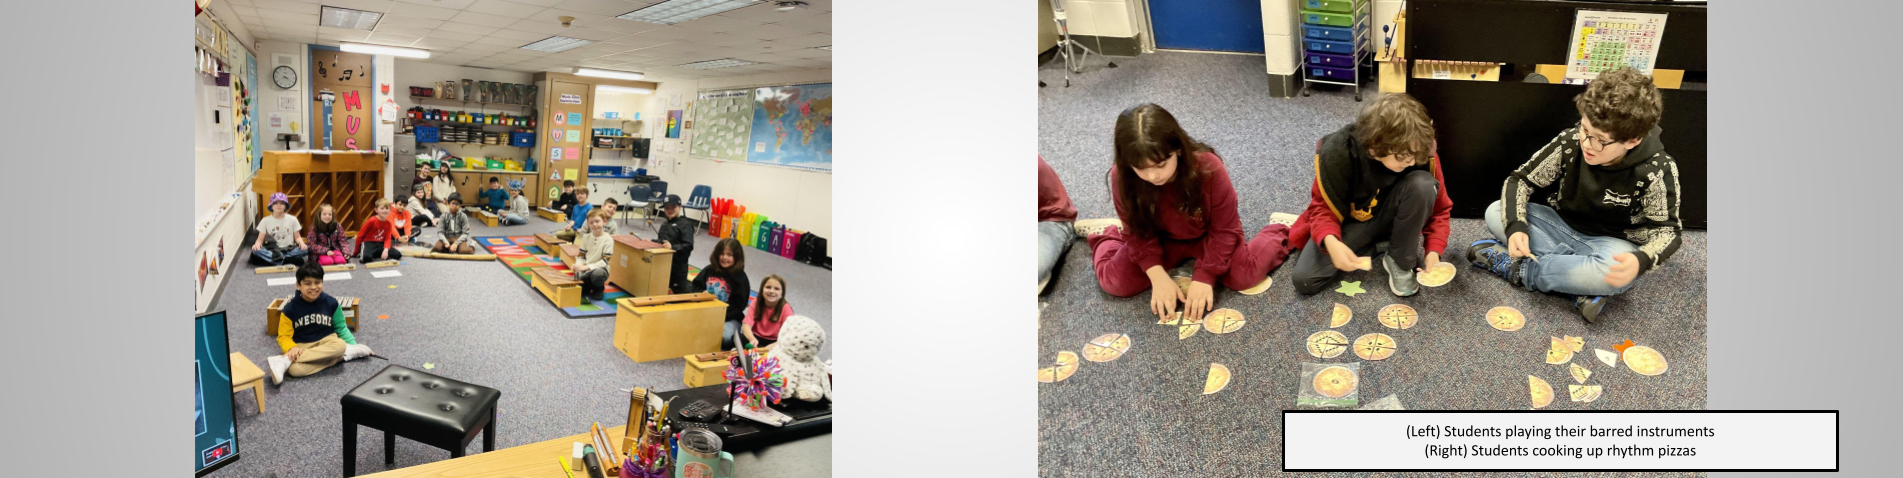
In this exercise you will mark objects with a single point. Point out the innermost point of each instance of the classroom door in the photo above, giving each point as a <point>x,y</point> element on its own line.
<point>1212,25</point>
<point>569,114</point>
<point>347,77</point>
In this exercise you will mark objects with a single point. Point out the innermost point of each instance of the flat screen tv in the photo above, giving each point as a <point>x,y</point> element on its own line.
<point>216,425</point>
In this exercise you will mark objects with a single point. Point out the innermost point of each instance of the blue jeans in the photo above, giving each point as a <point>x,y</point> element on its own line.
<point>513,220</point>
<point>1053,240</point>
<point>1569,262</point>
<point>268,257</point>
<point>729,335</point>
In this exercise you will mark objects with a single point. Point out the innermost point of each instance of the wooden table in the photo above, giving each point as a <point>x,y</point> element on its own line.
<point>247,375</point>
<point>534,460</point>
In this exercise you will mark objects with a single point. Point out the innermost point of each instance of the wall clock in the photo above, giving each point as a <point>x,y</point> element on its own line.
<point>284,76</point>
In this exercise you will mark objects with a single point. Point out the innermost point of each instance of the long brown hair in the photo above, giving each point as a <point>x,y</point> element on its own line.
<point>762,309</point>
<point>1145,135</point>
<point>325,227</point>
<point>713,259</point>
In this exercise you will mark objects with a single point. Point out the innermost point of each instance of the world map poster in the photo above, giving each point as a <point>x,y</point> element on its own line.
<point>793,126</point>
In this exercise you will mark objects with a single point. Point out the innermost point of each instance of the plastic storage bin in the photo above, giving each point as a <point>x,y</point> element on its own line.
<point>1330,60</point>
<point>1347,74</point>
<point>1343,6</point>
<point>1319,32</point>
<point>522,139</point>
<point>1329,19</point>
<point>428,134</point>
<point>1329,46</point>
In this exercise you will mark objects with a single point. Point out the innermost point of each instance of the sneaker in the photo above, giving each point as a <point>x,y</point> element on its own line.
<point>1092,227</point>
<point>1400,279</point>
<point>1589,306</point>
<point>278,364</point>
<point>356,351</point>
<point>1283,218</point>
<point>1492,255</point>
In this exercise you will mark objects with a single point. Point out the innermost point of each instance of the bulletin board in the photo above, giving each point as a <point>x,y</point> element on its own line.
<point>723,121</point>
<point>347,77</point>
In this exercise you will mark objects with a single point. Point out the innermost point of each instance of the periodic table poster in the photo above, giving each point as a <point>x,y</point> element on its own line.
<point>1604,41</point>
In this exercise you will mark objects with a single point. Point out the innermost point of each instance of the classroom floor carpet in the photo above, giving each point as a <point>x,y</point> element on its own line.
<point>475,321</point>
<point>1145,415</point>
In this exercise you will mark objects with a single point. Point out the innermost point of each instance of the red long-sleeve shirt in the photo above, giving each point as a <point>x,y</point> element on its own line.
<point>1053,203</point>
<point>1219,229</point>
<point>375,230</point>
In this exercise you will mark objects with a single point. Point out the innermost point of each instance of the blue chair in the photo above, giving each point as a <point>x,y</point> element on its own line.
<point>702,199</point>
<point>638,196</point>
<point>657,194</point>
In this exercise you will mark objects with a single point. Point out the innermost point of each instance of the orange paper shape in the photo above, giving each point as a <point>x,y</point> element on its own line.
<point>1066,366</point>
<point>1542,391</point>
<point>1341,316</point>
<point>383,317</point>
<point>1218,379</point>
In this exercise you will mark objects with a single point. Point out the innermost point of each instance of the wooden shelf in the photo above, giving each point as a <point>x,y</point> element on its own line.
<point>484,103</point>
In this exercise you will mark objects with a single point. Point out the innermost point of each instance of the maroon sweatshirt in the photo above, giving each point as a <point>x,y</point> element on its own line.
<point>1219,230</point>
<point>1053,203</point>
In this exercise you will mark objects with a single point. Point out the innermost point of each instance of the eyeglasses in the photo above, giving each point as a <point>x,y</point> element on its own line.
<point>1596,143</point>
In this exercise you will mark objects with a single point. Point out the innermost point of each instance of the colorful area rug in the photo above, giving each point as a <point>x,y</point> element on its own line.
<point>521,255</point>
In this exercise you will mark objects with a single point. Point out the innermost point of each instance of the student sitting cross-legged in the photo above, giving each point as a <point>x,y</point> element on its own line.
<point>312,330</point>
<point>1596,207</point>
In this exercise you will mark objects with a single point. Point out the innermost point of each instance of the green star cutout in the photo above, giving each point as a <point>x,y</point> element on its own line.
<point>1350,288</point>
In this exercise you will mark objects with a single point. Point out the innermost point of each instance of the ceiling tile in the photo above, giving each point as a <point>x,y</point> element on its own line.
<point>542,3</point>
<point>538,26</point>
<point>623,25</point>
<point>243,10</point>
<point>441,34</point>
<point>485,49</point>
<point>411,31</point>
<point>763,57</point>
<point>592,34</point>
<point>335,36</point>
<point>603,48</point>
<point>334,31</point>
<point>378,6</point>
<point>286,6</point>
<point>602,7</point>
<point>438,44</point>
<point>519,35</point>
<point>454,4</point>
<point>813,40</point>
<point>666,33</point>
<point>409,21</point>
<point>721,39</point>
<point>425,10</point>
<point>801,52</point>
<point>770,32</point>
<point>238,2</point>
<point>502,42</point>
<point>805,63</point>
<point>483,19</point>
<point>304,18</point>
<point>766,13</point>
<point>673,47</point>
<point>554,15</point>
<point>393,38</point>
<point>717,24</point>
<point>507,9</point>
<point>627,57</point>
<point>276,23</point>
<point>819,23</point>
<point>466,29</point>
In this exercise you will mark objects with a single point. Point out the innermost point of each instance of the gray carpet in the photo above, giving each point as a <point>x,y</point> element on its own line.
<point>1144,415</point>
<point>477,323</point>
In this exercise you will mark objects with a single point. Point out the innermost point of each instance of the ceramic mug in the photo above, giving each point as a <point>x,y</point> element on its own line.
<point>700,456</point>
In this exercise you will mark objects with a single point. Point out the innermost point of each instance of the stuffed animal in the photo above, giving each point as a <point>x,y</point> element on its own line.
<point>798,350</point>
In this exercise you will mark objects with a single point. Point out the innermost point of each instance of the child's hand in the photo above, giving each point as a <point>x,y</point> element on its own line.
<point>1433,258</point>
<point>1201,297</point>
<point>293,353</point>
<point>1623,272</point>
<point>1163,297</point>
<point>386,254</point>
<point>1516,246</point>
<point>257,247</point>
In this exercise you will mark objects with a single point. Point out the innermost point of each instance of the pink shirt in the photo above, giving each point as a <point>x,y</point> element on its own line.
<point>766,330</point>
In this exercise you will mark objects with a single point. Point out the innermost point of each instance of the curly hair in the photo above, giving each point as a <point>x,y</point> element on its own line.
<point>1146,135</point>
<point>1396,124</point>
<point>1621,102</point>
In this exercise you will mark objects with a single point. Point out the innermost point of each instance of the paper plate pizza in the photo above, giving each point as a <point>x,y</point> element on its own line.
<point>1218,379</point>
<point>1066,366</point>
<point>1542,392</point>
<point>1341,316</point>
<point>1335,382</point>
<point>1327,344</point>
<point>1439,275</point>
<point>1223,321</point>
<point>1644,360</point>
<point>1506,318</point>
<point>1106,347</point>
<point>1375,346</point>
<point>1398,316</point>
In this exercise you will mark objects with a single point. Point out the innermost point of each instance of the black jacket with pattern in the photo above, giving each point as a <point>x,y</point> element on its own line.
<point>1636,199</point>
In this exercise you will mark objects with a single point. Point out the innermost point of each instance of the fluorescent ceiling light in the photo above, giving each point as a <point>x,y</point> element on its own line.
<point>348,18</point>
<point>383,50</point>
<point>622,89</point>
<point>619,75</point>
<point>720,63</point>
<point>557,44</point>
<point>676,11</point>
<point>827,48</point>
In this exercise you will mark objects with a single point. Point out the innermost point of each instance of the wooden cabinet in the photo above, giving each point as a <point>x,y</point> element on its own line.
<point>350,181</point>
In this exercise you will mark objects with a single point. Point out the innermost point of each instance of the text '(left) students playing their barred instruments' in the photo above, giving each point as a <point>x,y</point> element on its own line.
<point>1377,189</point>
<point>1176,203</point>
